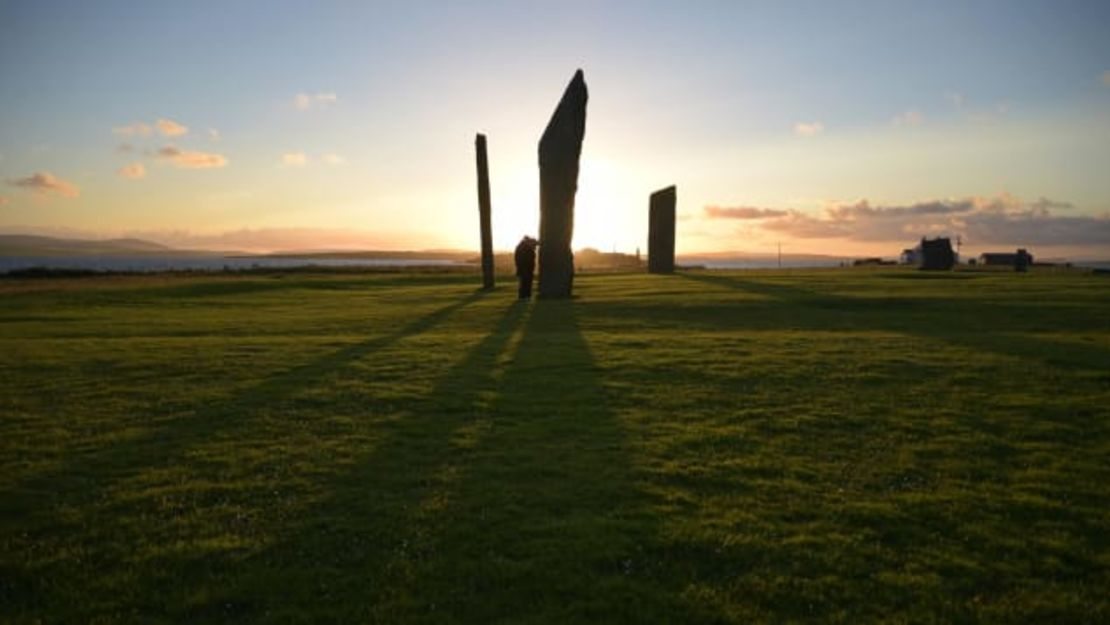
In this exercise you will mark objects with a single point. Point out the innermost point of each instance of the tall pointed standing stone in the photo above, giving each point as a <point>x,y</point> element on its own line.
<point>661,216</point>
<point>484,211</point>
<point>560,147</point>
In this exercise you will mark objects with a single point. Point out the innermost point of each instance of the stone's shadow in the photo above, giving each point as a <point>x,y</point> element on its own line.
<point>547,507</point>
<point>375,523</point>
<point>508,494</point>
<point>968,324</point>
<point>172,441</point>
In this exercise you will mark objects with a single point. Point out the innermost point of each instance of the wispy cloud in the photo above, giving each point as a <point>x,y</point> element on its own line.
<point>137,129</point>
<point>742,212</point>
<point>911,117</point>
<point>333,160</point>
<point>1105,78</point>
<point>294,159</point>
<point>304,101</point>
<point>167,127</point>
<point>808,129</point>
<point>955,98</point>
<point>214,134</point>
<point>133,171</point>
<point>170,128</point>
<point>998,220</point>
<point>3,200</point>
<point>46,183</point>
<point>125,148</point>
<point>190,159</point>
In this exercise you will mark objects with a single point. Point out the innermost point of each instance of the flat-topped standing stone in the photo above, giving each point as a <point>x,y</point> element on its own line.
<point>560,148</point>
<point>661,219</point>
<point>484,211</point>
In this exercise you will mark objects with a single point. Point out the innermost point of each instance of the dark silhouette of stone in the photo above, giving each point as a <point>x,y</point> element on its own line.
<point>560,149</point>
<point>937,254</point>
<point>1022,260</point>
<point>661,220</point>
<point>484,211</point>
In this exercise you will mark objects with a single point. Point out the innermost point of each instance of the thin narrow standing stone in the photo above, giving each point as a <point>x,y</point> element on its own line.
<point>560,148</point>
<point>661,220</point>
<point>484,212</point>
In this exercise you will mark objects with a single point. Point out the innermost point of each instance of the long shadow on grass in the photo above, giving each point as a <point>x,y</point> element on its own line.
<point>542,520</point>
<point>977,324</point>
<point>547,523</point>
<point>88,474</point>
<point>506,496</point>
<point>351,556</point>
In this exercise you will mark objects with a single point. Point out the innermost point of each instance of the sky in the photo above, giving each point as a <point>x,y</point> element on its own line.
<point>849,128</point>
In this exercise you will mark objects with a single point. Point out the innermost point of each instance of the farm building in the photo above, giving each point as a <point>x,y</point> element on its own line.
<point>935,254</point>
<point>1006,259</point>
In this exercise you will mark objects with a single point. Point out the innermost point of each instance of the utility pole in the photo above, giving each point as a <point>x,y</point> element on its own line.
<point>780,254</point>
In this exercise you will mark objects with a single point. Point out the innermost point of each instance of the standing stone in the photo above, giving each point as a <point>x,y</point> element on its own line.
<point>484,212</point>
<point>661,219</point>
<point>560,148</point>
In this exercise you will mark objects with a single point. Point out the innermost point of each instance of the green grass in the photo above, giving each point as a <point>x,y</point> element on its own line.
<point>822,446</point>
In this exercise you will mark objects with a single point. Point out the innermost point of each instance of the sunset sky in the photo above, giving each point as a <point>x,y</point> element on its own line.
<point>832,127</point>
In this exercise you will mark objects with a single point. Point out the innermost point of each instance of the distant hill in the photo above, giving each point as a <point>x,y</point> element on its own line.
<point>758,259</point>
<point>456,255</point>
<point>742,256</point>
<point>30,245</point>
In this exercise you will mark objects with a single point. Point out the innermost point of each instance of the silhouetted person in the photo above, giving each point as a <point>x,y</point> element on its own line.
<point>525,257</point>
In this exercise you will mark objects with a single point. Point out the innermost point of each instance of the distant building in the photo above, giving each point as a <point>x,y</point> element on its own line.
<point>874,260</point>
<point>1019,260</point>
<point>909,256</point>
<point>996,259</point>
<point>936,254</point>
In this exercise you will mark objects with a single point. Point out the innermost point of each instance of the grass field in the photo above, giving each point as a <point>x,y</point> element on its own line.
<point>824,446</point>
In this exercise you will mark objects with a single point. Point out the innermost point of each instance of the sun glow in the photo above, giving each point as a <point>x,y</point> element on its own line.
<point>610,207</point>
